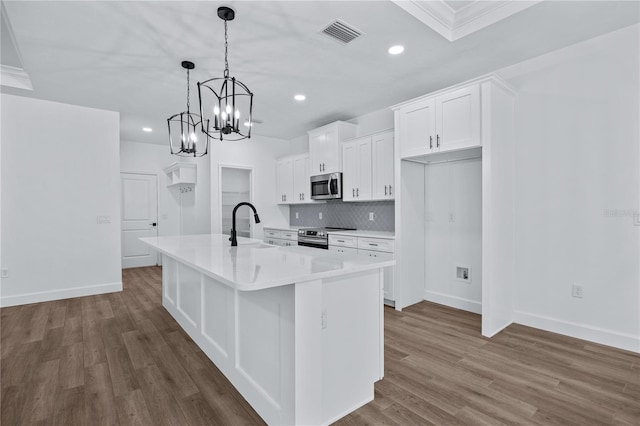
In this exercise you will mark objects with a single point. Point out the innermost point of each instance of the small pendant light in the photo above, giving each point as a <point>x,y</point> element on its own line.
<point>185,137</point>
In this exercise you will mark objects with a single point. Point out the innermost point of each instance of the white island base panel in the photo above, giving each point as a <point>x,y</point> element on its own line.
<point>306,353</point>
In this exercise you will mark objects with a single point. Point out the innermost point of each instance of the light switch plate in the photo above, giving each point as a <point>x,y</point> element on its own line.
<point>297,215</point>
<point>372,216</point>
<point>320,215</point>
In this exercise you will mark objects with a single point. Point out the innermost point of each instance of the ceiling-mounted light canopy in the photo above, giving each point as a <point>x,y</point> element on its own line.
<point>185,138</point>
<point>225,101</point>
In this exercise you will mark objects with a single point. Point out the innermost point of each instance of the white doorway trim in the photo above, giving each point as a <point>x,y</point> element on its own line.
<point>219,189</point>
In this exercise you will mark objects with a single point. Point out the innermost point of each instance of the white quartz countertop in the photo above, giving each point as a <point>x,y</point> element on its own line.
<point>371,234</point>
<point>253,265</point>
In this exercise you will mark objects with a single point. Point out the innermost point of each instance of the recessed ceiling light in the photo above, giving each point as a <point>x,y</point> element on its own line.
<point>147,129</point>
<point>299,97</point>
<point>396,50</point>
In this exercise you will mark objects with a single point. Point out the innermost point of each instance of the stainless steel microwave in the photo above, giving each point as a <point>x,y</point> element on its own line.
<point>326,187</point>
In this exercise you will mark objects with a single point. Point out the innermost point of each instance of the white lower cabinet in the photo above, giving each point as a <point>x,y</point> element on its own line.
<point>279,237</point>
<point>381,248</point>
<point>346,250</point>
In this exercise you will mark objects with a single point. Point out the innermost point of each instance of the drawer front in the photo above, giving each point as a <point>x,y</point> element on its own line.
<point>271,233</point>
<point>343,250</point>
<point>377,254</point>
<point>342,241</point>
<point>289,235</point>
<point>376,244</point>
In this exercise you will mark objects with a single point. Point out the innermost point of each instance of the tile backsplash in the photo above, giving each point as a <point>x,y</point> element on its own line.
<point>345,215</point>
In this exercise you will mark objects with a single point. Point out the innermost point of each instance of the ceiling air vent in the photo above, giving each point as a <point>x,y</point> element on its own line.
<point>341,31</point>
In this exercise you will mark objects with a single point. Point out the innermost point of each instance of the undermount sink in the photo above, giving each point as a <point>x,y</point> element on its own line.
<point>254,245</point>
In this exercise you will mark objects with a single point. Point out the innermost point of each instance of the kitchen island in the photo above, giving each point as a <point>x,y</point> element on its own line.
<point>298,331</point>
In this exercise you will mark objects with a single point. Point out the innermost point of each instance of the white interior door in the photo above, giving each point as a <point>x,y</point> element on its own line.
<point>139,218</point>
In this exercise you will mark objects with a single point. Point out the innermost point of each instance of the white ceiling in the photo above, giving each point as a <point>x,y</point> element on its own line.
<point>125,56</point>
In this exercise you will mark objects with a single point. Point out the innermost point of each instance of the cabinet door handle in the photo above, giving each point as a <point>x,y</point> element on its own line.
<point>389,189</point>
<point>385,190</point>
<point>340,241</point>
<point>353,192</point>
<point>303,196</point>
<point>285,197</point>
<point>357,192</point>
<point>438,141</point>
<point>373,244</point>
<point>430,142</point>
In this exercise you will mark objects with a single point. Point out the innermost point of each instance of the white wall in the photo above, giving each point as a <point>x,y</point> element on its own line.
<point>178,213</point>
<point>373,122</point>
<point>260,154</point>
<point>577,185</point>
<point>453,232</point>
<point>60,170</point>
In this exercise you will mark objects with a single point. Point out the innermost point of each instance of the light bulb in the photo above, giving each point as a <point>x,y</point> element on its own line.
<point>216,110</point>
<point>184,138</point>
<point>237,114</point>
<point>193,137</point>
<point>224,115</point>
<point>228,109</point>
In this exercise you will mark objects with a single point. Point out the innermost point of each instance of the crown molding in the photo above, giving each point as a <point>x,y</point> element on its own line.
<point>14,77</point>
<point>454,25</point>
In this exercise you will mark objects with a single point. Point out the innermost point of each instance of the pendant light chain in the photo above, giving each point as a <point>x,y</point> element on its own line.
<point>188,93</point>
<point>226,51</point>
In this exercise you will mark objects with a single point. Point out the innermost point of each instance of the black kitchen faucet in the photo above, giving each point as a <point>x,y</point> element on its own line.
<point>232,238</point>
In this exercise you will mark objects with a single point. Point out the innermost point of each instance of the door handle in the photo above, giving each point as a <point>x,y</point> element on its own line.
<point>154,224</point>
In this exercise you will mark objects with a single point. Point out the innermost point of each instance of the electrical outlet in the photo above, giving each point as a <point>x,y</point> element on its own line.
<point>577,291</point>
<point>101,220</point>
<point>320,215</point>
<point>5,273</point>
<point>372,216</point>
<point>297,215</point>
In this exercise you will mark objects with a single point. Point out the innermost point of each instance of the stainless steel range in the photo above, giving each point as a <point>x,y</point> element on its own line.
<point>317,237</point>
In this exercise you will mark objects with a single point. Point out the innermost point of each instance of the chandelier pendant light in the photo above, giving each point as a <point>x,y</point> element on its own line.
<point>223,101</point>
<point>184,128</point>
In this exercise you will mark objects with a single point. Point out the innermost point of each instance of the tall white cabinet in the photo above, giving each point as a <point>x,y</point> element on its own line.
<point>472,121</point>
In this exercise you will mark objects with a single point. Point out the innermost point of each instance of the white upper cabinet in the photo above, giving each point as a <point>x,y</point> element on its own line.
<point>382,162</point>
<point>446,122</point>
<point>284,182</point>
<point>301,182</point>
<point>293,182</point>
<point>356,176</point>
<point>368,168</point>
<point>458,119</point>
<point>418,128</point>
<point>325,150</point>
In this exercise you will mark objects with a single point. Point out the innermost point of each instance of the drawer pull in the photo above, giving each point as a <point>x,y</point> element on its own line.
<point>373,244</point>
<point>340,241</point>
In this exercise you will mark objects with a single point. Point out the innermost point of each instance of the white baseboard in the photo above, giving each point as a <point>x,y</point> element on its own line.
<point>603,336</point>
<point>453,301</point>
<point>65,293</point>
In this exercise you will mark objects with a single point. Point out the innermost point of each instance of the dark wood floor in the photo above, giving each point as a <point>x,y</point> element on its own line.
<point>120,359</point>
